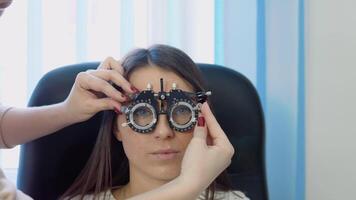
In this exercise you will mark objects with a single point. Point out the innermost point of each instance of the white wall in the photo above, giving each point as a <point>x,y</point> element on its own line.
<point>330,99</point>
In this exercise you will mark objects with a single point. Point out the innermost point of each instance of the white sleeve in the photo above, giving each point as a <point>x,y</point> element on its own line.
<point>8,190</point>
<point>237,195</point>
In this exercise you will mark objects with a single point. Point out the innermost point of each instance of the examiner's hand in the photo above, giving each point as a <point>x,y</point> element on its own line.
<point>202,161</point>
<point>92,91</point>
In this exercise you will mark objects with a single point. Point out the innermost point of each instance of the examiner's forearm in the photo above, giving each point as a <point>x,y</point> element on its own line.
<point>21,125</point>
<point>176,189</point>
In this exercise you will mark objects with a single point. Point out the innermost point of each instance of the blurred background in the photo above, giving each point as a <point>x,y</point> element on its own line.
<point>300,55</point>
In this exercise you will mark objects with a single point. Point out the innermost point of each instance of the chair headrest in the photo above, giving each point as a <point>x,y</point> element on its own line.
<point>49,165</point>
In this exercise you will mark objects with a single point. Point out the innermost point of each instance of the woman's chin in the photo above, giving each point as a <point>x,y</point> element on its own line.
<point>166,173</point>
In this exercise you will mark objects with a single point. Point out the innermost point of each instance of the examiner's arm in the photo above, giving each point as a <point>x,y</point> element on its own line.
<point>20,125</point>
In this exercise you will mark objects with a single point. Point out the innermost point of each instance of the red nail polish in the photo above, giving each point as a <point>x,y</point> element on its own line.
<point>117,111</point>
<point>125,97</point>
<point>134,89</point>
<point>201,121</point>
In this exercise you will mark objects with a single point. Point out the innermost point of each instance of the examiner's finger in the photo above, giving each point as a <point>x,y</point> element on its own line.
<point>200,130</point>
<point>89,82</point>
<point>106,104</point>
<point>115,77</point>
<point>215,131</point>
<point>111,64</point>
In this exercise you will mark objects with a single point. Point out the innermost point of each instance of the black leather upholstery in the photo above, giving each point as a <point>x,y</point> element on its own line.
<point>50,164</point>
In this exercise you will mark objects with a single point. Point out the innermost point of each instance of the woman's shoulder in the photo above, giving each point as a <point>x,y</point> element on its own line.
<point>226,195</point>
<point>219,195</point>
<point>102,195</point>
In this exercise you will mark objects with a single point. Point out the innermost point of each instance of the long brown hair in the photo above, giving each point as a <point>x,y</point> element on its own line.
<point>108,166</point>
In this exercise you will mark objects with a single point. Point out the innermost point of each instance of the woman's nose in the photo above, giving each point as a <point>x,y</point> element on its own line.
<point>162,130</point>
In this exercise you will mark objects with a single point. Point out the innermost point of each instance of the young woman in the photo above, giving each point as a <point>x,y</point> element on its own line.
<point>83,102</point>
<point>147,149</point>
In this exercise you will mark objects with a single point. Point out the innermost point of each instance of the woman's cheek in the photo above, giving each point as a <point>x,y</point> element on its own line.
<point>133,149</point>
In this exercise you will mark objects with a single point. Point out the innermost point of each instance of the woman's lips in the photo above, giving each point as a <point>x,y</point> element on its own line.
<point>165,156</point>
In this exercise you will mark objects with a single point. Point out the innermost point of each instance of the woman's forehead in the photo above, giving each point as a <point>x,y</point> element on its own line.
<point>145,75</point>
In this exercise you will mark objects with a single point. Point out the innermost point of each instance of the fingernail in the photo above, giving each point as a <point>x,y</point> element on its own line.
<point>201,121</point>
<point>117,111</point>
<point>124,96</point>
<point>131,96</point>
<point>134,89</point>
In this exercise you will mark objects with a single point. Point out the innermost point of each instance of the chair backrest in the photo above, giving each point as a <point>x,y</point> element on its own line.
<point>49,165</point>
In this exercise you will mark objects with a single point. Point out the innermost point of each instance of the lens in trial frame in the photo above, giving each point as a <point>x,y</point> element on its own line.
<point>143,115</point>
<point>181,114</point>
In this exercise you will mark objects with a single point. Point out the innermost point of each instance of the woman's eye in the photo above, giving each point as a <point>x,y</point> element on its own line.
<point>182,111</point>
<point>143,112</point>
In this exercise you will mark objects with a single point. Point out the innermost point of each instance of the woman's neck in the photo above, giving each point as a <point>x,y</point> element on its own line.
<point>139,183</point>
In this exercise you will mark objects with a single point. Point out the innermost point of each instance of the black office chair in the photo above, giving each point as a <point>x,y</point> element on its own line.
<point>50,164</point>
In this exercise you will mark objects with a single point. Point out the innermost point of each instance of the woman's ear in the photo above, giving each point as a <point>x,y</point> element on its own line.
<point>118,135</point>
<point>116,130</point>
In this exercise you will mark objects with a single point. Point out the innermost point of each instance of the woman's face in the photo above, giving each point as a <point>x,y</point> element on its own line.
<point>139,148</point>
